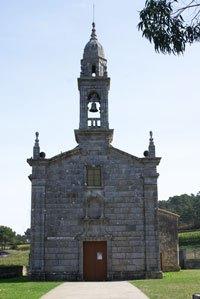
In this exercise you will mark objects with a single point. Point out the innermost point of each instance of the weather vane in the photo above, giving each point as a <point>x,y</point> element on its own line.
<point>93,12</point>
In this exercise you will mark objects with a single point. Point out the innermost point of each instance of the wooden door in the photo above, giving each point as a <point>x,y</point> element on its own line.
<point>95,260</point>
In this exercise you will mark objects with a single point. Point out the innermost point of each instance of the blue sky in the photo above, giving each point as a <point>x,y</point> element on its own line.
<point>41,46</point>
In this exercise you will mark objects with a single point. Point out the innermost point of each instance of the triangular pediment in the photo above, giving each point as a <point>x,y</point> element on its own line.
<point>124,154</point>
<point>65,155</point>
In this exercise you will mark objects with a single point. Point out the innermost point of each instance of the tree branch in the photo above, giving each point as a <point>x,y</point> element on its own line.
<point>182,9</point>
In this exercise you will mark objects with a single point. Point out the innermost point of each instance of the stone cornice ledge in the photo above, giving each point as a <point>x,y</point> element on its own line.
<point>36,162</point>
<point>42,161</point>
<point>101,220</point>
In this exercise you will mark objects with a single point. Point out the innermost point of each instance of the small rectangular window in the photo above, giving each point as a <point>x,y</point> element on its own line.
<point>94,176</point>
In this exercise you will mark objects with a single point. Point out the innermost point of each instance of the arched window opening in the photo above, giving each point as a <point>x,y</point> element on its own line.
<point>93,70</point>
<point>94,110</point>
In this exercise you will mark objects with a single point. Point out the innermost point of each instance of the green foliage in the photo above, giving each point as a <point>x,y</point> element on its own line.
<point>20,239</point>
<point>21,288</point>
<point>23,247</point>
<point>187,206</point>
<point>189,238</point>
<point>7,236</point>
<point>162,22</point>
<point>15,257</point>
<point>177,285</point>
<point>27,235</point>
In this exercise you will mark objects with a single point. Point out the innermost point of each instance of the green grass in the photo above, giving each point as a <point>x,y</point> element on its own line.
<point>21,288</point>
<point>191,239</point>
<point>174,285</point>
<point>16,257</point>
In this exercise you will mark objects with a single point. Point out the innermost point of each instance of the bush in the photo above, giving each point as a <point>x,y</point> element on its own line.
<point>23,247</point>
<point>191,238</point>
<point>13,246</point>
<point>10,271</point>
<point>15,257</point>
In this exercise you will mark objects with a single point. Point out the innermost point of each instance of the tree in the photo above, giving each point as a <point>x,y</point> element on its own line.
<point>170,24</point>
<point>27,235</point>
<point>197,210</point>
<point>7,236</point>
<point>187,206</point>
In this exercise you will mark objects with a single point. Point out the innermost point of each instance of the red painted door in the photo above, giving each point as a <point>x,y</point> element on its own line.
<point>95,260</point>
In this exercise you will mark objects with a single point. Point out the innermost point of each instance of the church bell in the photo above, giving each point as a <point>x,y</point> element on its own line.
<point>93,107</point>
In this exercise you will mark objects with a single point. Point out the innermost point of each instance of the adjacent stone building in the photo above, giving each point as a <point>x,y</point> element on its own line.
<point>94,213</point>
<point>169,248</point>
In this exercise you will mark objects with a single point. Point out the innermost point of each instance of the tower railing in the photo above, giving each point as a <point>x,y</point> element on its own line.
<point>94,122</point>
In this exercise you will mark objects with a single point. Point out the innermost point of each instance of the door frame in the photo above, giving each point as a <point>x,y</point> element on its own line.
<point>109,254</point>
<point>94,247</point>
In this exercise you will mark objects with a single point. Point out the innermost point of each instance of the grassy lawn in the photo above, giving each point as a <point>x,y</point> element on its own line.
<point>21,288</point>
<point>16,257</point>
<point>174,285</point>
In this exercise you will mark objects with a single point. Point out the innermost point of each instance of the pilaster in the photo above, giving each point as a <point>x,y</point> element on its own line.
<point>38,194</point>
<point>150,209</point>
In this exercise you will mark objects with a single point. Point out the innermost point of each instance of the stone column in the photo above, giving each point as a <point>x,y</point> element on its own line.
<point>104,103</point>
<point>83,107</point>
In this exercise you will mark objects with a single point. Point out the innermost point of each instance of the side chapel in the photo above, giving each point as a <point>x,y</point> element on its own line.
<point>94,210</point>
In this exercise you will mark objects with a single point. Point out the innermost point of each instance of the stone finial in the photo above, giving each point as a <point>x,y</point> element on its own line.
<point>152,152</point>
<point>36,148</point>
<point>36,140</point>
<point>93,34</point>
<point>151,135</point>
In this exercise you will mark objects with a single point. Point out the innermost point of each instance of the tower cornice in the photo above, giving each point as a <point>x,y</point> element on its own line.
<point>99,135</point>
<point>93,81</point>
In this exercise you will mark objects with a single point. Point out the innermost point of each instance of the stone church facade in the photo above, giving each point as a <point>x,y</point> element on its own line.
<point>94,213</point>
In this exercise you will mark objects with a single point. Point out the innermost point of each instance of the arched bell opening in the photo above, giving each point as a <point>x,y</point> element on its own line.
<point>94,110</point>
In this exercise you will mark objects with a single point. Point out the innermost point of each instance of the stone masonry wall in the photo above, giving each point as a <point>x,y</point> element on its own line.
<point>168,227</point>
<point>127,200</point>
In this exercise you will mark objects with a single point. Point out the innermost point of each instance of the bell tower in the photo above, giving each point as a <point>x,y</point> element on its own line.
<point>93,85</point>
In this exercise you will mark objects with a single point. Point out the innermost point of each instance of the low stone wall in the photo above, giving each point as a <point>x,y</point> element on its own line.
<point>192,264</point>
<point>189,258</point>
<point>11,271</point>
